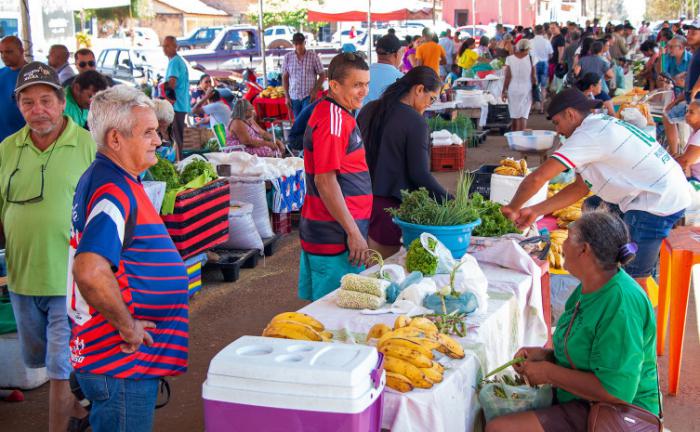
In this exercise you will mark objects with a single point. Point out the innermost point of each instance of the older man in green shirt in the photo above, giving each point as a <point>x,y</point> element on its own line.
<point>80,93</point>
<point>40,166</point>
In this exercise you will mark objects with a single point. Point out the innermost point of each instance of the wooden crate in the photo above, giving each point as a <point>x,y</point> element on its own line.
<point>195,138</point>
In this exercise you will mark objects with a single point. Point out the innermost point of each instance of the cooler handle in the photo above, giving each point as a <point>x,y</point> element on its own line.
<point>376,373</point>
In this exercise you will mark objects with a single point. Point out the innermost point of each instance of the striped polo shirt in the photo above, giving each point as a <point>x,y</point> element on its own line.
<point>332,143</point>
<point>113,217</point>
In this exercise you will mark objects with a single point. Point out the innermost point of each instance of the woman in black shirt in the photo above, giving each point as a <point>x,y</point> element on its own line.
<point>396,137</point>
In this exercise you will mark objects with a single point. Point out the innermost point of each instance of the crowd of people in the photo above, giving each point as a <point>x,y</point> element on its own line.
<point>74,146</point>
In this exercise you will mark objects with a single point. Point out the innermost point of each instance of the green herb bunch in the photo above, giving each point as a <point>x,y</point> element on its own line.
<point>493,222</point>
<point>164,171</point>
<point>196,168</point>
<point>419,259</point>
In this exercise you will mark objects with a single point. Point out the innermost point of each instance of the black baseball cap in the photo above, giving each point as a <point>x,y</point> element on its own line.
<point>388,44</point>
<point>298,38</point>
<point>571,98</point>
<point>37,73</point>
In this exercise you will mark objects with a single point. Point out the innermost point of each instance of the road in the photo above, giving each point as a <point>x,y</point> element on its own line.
<point>222,312</point>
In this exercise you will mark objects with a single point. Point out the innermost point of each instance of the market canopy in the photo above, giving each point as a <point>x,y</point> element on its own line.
<point>381,10</point>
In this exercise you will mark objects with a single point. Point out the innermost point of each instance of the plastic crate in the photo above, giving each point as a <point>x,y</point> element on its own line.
<point>200,218</point>
<point>281,223</point>
<point>482,180</point>
<point>447,158</point>
<point>498,114</point>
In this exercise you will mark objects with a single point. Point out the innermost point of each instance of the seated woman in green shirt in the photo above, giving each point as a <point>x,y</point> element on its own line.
<point>609,354</point>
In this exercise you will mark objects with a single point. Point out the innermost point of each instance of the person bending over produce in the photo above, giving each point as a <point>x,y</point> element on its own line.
<point>336,212</point>
<point>620,164</point>
<point>244,131</point>
<point>398,152</point>
<point>605,341</point>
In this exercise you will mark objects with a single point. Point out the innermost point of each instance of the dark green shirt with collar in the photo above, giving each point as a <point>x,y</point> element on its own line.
<point>37,232</point>
<point>74,111</point>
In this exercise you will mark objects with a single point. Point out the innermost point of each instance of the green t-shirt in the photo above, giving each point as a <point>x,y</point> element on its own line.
<point>37,233</point>
<point>613,336</point>
<point>74,111</point>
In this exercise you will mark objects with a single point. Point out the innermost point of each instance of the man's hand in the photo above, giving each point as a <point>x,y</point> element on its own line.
<point>136,336</point>
<point>535,372</point>
<point>510,212</point>
<point>525,218</point>
<point>358,249</point>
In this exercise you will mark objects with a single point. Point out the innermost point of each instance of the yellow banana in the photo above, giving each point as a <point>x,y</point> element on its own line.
<point>433,374</point>
<point>406,343</point>
<point>408,332</point>
<point>428,343</point>
<point>291,330</point>
<point>401,321</point>
<point>326,336</point>
<point>299,317</point>
<point>398,382</point>
<point>510,162</point>
<point>424,324</point>
<point>450,346</point>
<point>523,167</point>
<point>413,356</point>
<point>377,331</point>
<point>402,367</point>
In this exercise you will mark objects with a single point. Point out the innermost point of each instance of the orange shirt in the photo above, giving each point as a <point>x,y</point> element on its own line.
<point>430,54</point>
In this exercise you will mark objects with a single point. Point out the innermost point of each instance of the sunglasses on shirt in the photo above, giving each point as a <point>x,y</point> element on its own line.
<point>90,63</point>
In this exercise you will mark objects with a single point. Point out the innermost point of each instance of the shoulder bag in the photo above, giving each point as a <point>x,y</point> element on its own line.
<point>618,417</point>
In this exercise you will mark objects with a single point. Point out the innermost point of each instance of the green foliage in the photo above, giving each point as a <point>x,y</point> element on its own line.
<point>294,18</point>
<point>196,168</point>
<point>493,222</point>
<point>164,171</point>
<point>419,259</point>
<point>461,126</point>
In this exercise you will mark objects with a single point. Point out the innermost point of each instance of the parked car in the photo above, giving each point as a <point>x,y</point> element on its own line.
<point>201,37</point>
<point>136,67</point>
<point>475,32</point>
<point>341,37</point>
<point>284,33</point>
<point>143,37</point>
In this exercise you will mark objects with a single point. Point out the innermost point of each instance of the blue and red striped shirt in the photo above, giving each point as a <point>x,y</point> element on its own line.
<point>113,217</point>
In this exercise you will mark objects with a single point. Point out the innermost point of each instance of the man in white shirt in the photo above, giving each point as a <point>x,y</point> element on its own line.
<point>58,59</point>
<point>617,162</point>
<point>448,45</point>
<point>542,51</point>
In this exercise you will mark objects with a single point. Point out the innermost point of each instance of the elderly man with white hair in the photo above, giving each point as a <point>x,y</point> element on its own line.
<point>128,291</point>
<point>517,88</point>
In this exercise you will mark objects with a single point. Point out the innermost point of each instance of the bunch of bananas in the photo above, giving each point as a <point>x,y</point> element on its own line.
<point>273,92</point>
<point>295,325</point>
<point>554,188</point>
<point>408,352</point>
<point>511,167</point>
<point>555,255</point>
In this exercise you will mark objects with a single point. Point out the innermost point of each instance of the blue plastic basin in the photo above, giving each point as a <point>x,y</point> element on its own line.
<point>456,238</point>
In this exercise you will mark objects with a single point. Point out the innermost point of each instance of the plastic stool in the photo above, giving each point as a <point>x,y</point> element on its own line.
<point>679,252</point>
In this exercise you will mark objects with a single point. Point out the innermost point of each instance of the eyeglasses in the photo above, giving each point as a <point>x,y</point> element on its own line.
<point>35,199</point>
<point>90,63</point>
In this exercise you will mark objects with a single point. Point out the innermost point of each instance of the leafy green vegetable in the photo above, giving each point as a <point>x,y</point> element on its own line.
<point>196,168</point>
<point>164,171</point>
<point>419,259</point>
<point>493,222</point>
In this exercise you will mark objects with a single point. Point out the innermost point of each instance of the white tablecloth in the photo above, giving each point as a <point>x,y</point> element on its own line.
<point>450,406</point>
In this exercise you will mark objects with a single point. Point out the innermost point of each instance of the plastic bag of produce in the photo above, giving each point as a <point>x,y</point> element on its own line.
<point>396,288</point>
<point>241,228</point>
<point>465,303</point>
<point>468,279</point>
<point>252,190</point>
<point>499,399</point>
<point>364,284</point>
<point>445,262</point>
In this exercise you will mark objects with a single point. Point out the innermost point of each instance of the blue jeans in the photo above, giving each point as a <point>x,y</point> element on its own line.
<point>299,104</point>
<point>44,333</point>
<point>646,229</point>
<point>119,405</point>
<point>542,70</point>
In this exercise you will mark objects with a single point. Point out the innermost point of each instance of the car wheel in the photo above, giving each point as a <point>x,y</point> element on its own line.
<point>279,43</point>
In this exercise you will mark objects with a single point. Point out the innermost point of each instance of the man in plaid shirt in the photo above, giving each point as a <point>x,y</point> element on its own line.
<point>302,76</point>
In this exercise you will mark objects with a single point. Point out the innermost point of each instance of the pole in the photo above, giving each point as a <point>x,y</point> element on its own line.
<point>369,31</point>
<point>500,11</point>
<point>261,32</point>
<point>434,14</point>
<point>520,12</point>
<point>26,30</point>
<point>473,17</point>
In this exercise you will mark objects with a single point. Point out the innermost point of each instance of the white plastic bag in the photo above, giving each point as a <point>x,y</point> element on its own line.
<point>241,228</point>
<point>468,279</point>
<point>417,292</point>
<point>252,190</point>
<point>634,116</point>
<point>445,261</point>
<point>518,399</point>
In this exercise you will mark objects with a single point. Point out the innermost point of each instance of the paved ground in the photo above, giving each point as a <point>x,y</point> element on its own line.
<point>222,312</point>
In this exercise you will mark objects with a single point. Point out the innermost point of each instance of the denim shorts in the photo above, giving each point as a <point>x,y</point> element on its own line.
<point>677,113</point>
<point>541,72</point>
<point>44,333</point>
<point>320,274</point>
<point>119,405</point>
<point>646,229</point>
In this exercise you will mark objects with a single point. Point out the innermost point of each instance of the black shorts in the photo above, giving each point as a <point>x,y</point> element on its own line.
<point>567,417</point>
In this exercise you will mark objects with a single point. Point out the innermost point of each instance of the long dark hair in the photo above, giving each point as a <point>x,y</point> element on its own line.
<point>466,45</point>
<point>419,75</point>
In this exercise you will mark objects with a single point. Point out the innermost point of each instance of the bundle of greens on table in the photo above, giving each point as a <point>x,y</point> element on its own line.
<point>165,171</point>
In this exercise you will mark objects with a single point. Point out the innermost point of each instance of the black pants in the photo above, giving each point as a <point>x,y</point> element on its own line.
<point>179,131</point>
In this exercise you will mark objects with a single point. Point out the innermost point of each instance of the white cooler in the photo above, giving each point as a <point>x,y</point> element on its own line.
<point>503,190</point>
<point>268,384</point>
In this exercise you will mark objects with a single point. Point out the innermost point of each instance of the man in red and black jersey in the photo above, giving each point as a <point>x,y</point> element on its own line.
<point>335,217</point>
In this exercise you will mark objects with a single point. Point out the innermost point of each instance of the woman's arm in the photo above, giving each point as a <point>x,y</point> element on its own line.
<point>239,128</point>
<point>609,106</point>
<point>506,83</point>
<point>690,157</point>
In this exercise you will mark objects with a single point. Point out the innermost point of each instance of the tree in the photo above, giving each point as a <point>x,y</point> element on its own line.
<point>664,9</point>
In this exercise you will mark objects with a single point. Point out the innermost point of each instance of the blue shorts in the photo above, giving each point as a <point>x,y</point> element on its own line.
<point>542,72</point>
<point>646,229</point>
<point>44,333</point>
<point>119,405</point>
<point>677,114</point>
<point>320,274</point>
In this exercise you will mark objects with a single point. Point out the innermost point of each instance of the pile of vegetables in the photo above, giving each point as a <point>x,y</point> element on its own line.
<point>165,171</point>
<point>196,168</point>
<point>419,259</point>
<point>493,222</point>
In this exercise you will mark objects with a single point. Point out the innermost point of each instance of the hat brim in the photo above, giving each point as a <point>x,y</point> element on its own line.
<point>589,104</point>
<point>29,84</point>
<point>690,27</point>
